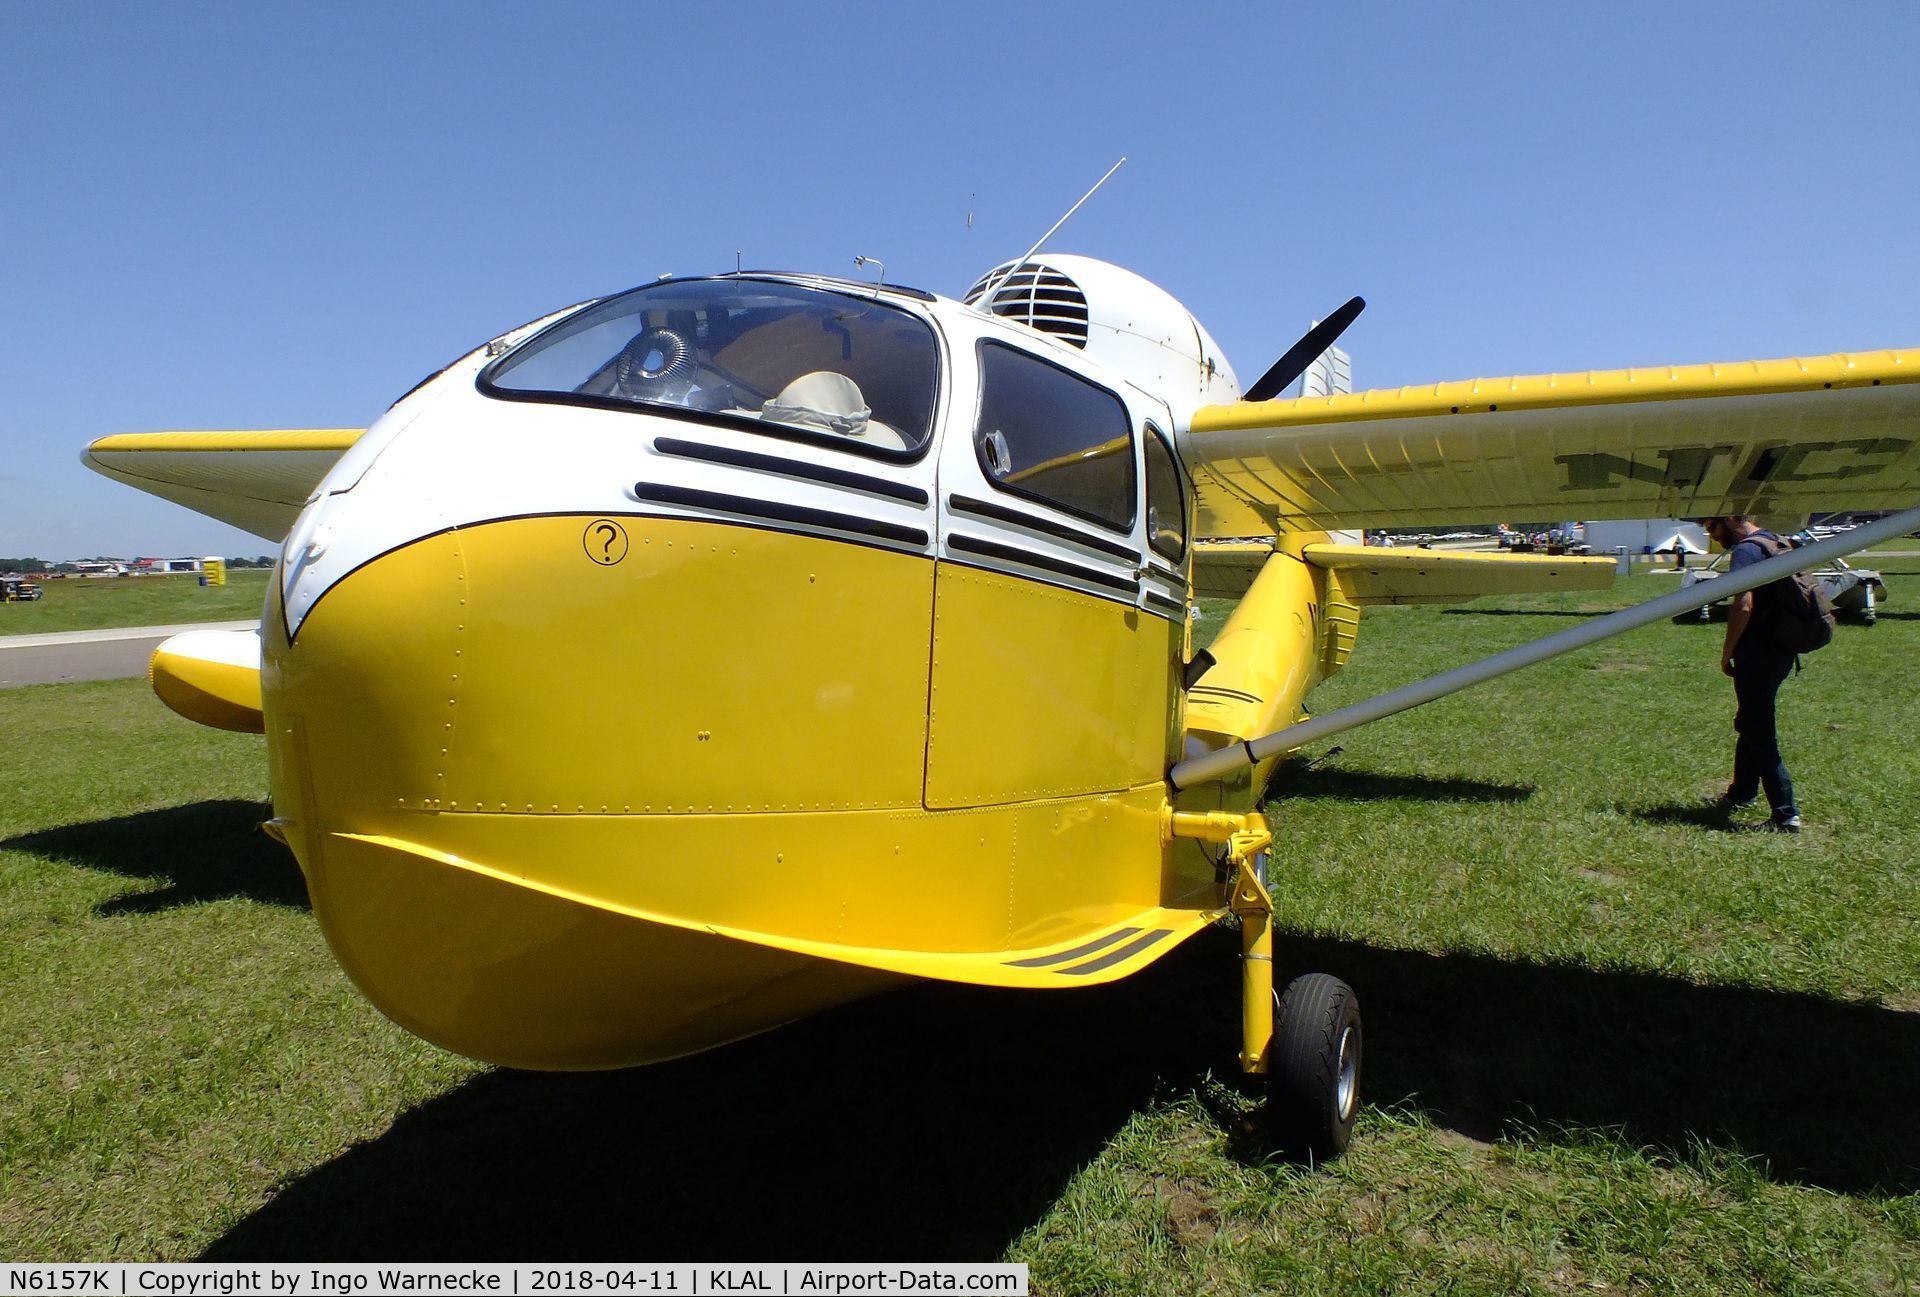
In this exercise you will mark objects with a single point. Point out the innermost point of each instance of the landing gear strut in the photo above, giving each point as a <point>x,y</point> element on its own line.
<point>1308,1041</point>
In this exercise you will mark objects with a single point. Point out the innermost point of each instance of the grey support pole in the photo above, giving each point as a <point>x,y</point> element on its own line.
<point>1213,765</point>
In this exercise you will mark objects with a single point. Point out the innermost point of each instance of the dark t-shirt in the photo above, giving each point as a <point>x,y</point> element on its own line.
<point>1747,552</point>
<point>1757,637</point>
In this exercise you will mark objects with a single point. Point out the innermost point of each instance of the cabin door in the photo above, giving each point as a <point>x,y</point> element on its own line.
<point>1056,644</point>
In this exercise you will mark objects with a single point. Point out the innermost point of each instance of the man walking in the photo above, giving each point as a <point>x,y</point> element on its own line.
<point>1758,665</point>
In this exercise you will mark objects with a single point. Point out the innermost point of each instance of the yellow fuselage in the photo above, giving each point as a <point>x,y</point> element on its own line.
<point>556,814</point>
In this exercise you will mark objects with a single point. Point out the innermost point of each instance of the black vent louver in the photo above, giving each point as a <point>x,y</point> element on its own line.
<point>1039,297</point>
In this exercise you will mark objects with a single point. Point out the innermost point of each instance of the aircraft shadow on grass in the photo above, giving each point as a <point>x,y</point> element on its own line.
<point>941,1122</point>
<point>208,851</point>
<point>1525,612</point>
<point>1300,781</point>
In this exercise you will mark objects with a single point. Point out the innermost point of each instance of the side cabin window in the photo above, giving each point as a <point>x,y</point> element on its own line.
<point>1166,500</point>
<point>1053,436</point>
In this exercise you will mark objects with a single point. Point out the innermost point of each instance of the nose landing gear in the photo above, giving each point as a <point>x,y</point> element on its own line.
<point>1308,1041</point>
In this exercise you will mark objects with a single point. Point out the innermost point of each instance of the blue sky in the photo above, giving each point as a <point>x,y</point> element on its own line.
<point>251,216</point>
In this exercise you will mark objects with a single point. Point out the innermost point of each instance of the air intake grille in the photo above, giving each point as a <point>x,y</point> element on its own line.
<point>1039,297</point>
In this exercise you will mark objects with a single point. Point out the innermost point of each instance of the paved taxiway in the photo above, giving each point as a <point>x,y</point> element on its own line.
<point>89,654</point>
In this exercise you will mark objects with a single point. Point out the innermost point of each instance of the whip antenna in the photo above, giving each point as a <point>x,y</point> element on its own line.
<point>984,301</point>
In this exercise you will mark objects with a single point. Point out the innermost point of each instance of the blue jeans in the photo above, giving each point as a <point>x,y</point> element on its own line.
<point>1757,764</point>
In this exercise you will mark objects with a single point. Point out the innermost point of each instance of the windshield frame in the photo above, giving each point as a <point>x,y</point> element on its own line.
<point>484,383</point>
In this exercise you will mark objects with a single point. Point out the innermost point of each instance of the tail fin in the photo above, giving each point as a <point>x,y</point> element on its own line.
<point>1330,374</point>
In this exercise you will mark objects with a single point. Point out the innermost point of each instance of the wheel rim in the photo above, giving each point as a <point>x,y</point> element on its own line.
<point>1347,1088</point>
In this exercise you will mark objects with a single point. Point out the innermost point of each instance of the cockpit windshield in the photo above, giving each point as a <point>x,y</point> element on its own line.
<point>794,360</point>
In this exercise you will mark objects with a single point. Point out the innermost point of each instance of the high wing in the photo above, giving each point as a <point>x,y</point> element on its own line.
<point>1373,575</point>
<point>1370,575</point>
<point>1757,437</point>
<point>256,481</point>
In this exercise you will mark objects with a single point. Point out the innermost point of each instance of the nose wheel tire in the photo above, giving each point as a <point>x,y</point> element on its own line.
<point>1313,1067</point>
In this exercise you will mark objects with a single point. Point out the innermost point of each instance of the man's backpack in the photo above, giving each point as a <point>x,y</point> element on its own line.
<point>1795,609</point>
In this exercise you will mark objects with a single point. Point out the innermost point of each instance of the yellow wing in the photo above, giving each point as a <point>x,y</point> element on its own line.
<point>1370,574</point>
<point>256,481</point>
<point>1757,437</point>
<point>1225,570</point>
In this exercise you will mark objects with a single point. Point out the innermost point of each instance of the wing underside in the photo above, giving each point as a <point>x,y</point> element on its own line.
<point>1758,437</point>
<point>1370,575</point>
<point>1373,575</point>
<point>256,481</point>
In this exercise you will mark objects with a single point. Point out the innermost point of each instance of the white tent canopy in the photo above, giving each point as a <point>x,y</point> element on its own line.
<point>1646,535</point>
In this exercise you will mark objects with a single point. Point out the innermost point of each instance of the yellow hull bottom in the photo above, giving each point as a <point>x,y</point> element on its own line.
<point>513,975</point>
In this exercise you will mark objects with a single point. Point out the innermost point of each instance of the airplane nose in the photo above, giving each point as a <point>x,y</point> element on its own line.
<point>367,674</point>
<point>516,759</point>
<point>615,666</point>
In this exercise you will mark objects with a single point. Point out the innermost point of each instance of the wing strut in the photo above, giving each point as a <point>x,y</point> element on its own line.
<point>1213,765</point>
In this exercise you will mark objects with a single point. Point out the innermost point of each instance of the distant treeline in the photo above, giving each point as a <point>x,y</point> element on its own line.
<point>31,564</point>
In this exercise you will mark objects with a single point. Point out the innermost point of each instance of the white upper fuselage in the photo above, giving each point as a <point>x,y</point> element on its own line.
<point>453,453</point>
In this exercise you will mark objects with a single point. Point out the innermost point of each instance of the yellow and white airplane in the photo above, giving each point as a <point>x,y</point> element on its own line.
<point>699,657</point>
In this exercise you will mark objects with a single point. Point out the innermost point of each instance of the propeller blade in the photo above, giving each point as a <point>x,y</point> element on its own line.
<point>1305,352</point>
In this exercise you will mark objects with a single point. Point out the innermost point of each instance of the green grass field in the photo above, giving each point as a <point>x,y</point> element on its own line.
<point>1613,1046</point>
<point>78,603</point>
